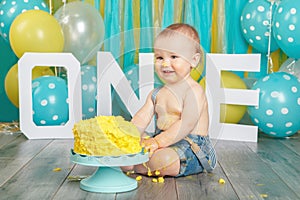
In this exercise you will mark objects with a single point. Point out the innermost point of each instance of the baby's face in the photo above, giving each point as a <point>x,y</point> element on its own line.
<point>174,58</point>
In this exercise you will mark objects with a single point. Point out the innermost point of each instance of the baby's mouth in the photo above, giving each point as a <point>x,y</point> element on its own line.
<point>165,71</point>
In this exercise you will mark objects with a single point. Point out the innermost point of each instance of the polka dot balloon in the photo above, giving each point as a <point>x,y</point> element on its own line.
<point>10,9</point>
<point>279,105</point>
<point>50,101</point>
<point>256,21</point>
<point>287,27</point>
<point>89,91</point>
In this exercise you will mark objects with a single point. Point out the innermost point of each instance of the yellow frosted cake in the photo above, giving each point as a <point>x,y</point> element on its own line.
<point>106,136</point>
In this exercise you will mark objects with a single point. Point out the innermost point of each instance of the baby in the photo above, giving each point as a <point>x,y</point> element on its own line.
<point>180,108</point>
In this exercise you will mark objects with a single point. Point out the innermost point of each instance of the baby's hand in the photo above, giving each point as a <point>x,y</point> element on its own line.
<point>150,145</point>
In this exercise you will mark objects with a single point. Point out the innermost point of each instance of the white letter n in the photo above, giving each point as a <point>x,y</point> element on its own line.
<point>110,74</point>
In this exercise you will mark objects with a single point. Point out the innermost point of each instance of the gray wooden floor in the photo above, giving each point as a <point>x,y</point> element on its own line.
<point>269,169</point>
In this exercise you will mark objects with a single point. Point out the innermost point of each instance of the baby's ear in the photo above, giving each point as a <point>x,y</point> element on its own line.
<point>196,59</point>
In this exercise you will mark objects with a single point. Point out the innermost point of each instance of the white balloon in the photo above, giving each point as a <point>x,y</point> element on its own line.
<point>83,29</point>
<point>291,66</point>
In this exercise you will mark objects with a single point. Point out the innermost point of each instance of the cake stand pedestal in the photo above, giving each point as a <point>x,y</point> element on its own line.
<point>109,178</point>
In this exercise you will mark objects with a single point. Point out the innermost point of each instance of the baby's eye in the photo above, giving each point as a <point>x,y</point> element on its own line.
<point>174,56</point>
<point>159,58</point>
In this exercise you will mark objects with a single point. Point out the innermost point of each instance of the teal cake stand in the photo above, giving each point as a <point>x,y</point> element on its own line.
<point>109,178</point>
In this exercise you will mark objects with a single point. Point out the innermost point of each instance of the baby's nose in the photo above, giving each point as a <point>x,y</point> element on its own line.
<point>166,63</point>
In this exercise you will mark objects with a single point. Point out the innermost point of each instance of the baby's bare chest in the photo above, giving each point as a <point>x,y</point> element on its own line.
<point>169,104</point>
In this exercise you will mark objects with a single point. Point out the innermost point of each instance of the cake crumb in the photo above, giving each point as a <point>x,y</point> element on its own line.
<point>149,173</point>
<point>154,180</point>
<point>57,169</point>
<point>138,178</point>
<point>221,181</point>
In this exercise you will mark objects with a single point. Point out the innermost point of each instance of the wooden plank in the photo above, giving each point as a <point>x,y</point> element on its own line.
<point>293,143</point>
<point>283,161</point>
<point>150,190</point>
<point>14,155</point>
<point>37,180</point>
<point>71,189</point>
<point>22,147</point>
<point>269,168</point>
<point>249,175</point>
<point>8,138</point>
<point>206,186</point>
<point>146,189</point>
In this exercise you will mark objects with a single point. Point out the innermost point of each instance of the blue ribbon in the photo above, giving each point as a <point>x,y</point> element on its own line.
<point>146,33</point>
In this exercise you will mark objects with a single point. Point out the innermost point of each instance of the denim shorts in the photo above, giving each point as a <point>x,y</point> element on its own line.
<point>189,163</point>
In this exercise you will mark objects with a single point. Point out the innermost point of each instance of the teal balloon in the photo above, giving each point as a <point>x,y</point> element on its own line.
<point>50,101</point>
<point>255,25</point>
<point>89,91</point>
<point>287,27</point>
<point>9,10</point>
<point>83,29</point>
<point>279,105</point>
<point>8,112</point>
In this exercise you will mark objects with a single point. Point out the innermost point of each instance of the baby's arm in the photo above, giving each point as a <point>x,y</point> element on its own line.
<point>193,104</point>
<point>144,116</point>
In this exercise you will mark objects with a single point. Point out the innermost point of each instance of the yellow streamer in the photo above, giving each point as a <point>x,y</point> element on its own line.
<point>214,28</point>
<point>136,25</point>
<point>157,15</point>
<point>218,18</point>
<point>102,5</point>
<point>178,10</point>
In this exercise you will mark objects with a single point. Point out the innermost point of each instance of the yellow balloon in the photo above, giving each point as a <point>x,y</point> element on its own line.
<point>203,83</point>
<point>195,73</point>
<point>41,71</point>
<point>11,82</point>
<point>36,31</point>
<point>232,113</point>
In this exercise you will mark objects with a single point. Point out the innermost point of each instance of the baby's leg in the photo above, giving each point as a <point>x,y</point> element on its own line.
<point>127,168</point>
<point>166,161</point>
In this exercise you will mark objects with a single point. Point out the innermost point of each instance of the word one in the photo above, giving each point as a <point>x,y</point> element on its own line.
<point>109,74</point>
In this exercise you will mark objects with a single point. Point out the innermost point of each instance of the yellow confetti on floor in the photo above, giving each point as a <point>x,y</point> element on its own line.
<point>161,179</point>
<point>138,178</point>
<point>56,169</point>
<point>158,180</point>
<point>263,195</point>
<point>221,181</point>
